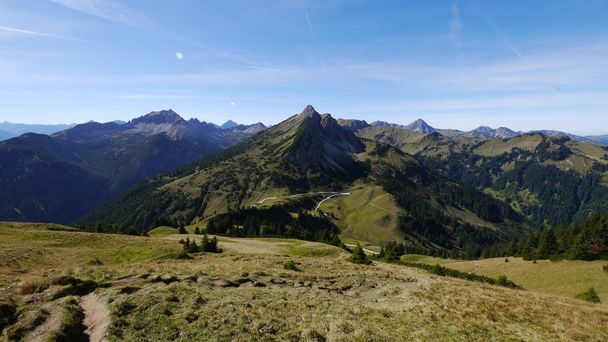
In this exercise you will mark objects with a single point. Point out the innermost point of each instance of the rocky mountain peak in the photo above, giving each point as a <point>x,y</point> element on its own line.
<point>309,111</point>
<point>420,126</point>
<point>158,117</point>
<point>229,124</point>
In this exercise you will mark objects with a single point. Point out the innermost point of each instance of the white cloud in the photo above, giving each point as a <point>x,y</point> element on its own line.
<point>179,55</point>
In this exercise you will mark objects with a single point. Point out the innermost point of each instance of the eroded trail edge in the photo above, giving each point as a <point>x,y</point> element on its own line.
<point>96,317</point>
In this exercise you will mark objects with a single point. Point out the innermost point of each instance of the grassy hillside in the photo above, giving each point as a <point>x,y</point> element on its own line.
<point>564,278</point>
<point>369,214</point>
<point>35,250</point>
<point>245,293</point>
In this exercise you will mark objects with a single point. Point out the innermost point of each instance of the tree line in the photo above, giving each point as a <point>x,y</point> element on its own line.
<point>587,240</point>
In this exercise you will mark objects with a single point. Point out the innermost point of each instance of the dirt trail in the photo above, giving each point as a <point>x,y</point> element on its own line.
<point>96,316</point>
<point>364,249</point>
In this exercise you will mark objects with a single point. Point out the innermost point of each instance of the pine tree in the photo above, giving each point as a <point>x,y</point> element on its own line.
<point>547,245</point>
<point>359,256</point>
<point>381,255</point>
<point>528,249</point>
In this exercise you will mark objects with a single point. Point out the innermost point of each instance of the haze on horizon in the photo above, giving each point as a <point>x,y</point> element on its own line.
<point>456,64</point>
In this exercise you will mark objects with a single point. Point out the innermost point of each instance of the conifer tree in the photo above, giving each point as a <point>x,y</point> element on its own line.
<point>547,245</point>
<point>359,256</point>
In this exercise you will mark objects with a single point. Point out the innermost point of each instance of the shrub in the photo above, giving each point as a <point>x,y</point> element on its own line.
<point>197,231</point>
<point>26,288</point>
<point>605,268</point>
<point>183,255</point>
<point>182,230</point>
<point>589,295</point>
<point>8,310</point>
<point>207,245</point>
<point>95,262</point>
<point>502,280</point>
<point>359,256</point>
<point>291,265</point>
<point>448,272</point>
<point>210,245</point>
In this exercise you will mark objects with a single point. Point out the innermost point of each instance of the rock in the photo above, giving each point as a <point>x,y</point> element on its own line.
<point>168,278</point>
<point>243,280</point>
<point>224,283</point>
<point>186,277</point>
<point>154,278</point>
<point>277,281</point>
<point>203,280</point>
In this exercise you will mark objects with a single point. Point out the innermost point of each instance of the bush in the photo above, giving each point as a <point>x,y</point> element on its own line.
<point>291,265</point>
<point>95,262</point>
<point>359,256</point>
<point>207,245</point>
<point>183,255</point>
<point>448,272</point>
<point>605,268</point>
<point>589,295</point>
<point>182,230</point>
<point>503,280</point>
<point>210,245</point>
<point>8,311</point>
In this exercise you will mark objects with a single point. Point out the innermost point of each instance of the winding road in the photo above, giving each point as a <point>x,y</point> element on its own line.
<point>325,193</point>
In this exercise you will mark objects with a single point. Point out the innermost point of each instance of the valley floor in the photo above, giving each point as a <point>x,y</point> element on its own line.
<point>246,294</point>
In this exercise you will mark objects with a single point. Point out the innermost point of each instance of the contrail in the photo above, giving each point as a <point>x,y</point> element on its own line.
<point>314,38</point>
<point>41,34</point>
<point>312,32</point>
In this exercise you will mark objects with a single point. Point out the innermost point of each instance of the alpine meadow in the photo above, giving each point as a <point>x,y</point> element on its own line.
<point>329,170</point>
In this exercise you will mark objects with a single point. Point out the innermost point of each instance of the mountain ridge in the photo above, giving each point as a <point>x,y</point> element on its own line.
<point>43,174</point>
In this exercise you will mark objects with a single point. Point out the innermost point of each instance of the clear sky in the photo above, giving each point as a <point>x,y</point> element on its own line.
<point>456,64</point>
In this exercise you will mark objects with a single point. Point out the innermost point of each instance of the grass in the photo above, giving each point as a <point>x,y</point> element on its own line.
<point>426,259</point>
<point>311,250</point>
<point>32,249</point>
<point>369,214</point>
<point>247,294</point>
<point>446,271</point>
<point>162,231</point>
<point>564,278</point>
<point>496,147</point>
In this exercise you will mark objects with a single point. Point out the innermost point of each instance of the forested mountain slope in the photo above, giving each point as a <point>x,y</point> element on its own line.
<point>550,180</point>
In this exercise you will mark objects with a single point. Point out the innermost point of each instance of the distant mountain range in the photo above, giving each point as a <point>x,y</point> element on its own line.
<point>10,130</point>
<point>60,177</point>
<point>481,132</point>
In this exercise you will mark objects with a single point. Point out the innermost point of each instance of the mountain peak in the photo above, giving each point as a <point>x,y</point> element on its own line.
<point>229,124</point>
<point>309,111</point>
<point>158,117</point>
<point>420,126</point>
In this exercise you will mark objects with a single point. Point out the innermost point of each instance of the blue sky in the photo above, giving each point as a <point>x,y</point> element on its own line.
<point>457,64</point>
